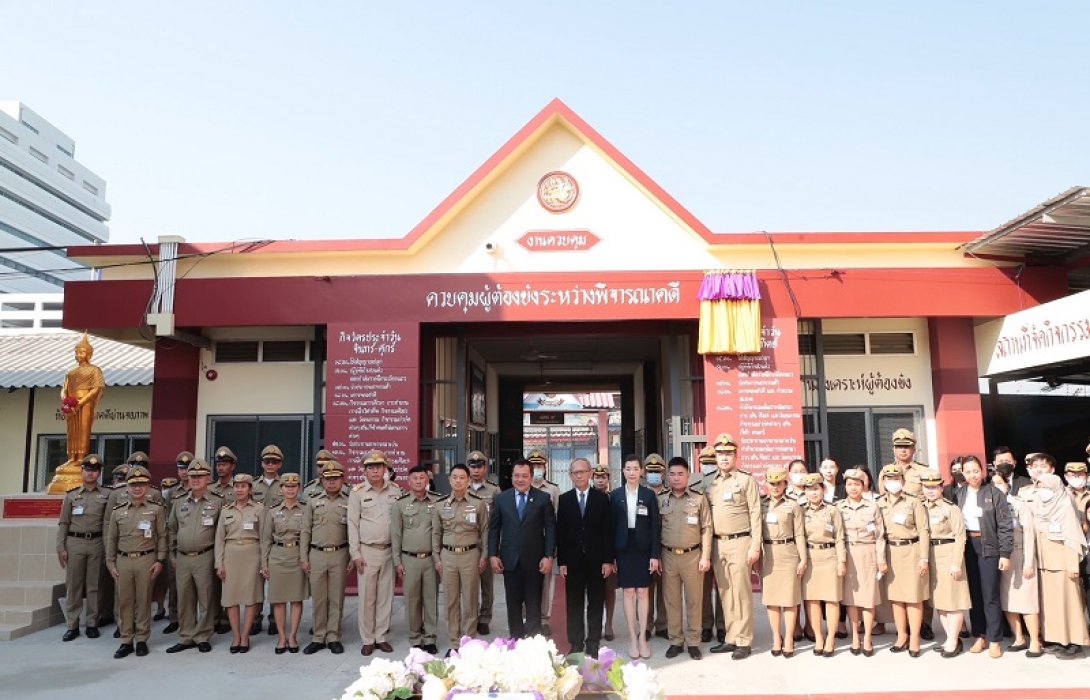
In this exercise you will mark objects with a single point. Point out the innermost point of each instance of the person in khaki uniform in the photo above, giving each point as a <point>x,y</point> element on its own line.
<point>80,549</point>
<point>539,463</point>
<point>167,486</point>
<point>280,563</point>
<point>711,612</point>
<point>238,560</point>
<point>736,521</point>
<point>267,493</point>
<point>224,461</point>
<point>411,543</point>
<point>485,490</point>
<point>191,530</point>
<point>824,577</point>
<point>654,469</point>
<point>865,532</point>
<point>1075,475</point>
<point>686,556</point>
<point>783,560</point>
<point>908,540</point>
<point>178,493</point>
<point>600,480</point>
<point>370,506</point>
<point>314,487</point>
<point>323,550</point>
<point>949,586</point>
<point>458,526</point>
<point>136,546</point>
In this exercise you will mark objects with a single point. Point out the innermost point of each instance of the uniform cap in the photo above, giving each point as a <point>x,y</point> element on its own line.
<point>138,475</point>
<point>323,456</point>
<point>476,457</point>
<point>198,467</point>
<point>224,454</point>
<point>930,477</point>
<point>725,440</point>
<point>289,479</point>
<point>332,470</point>
<point>854,474</point>
<point>271,451</point>
<point>375,458</point>
<point>891,470</point>
<point>92,463</point>
<point>243,479</point>
<point>903,437</point>
<point>168,482</point>
<point>139,457</point>
<point>654,463</point>
<point>600,470</point>
<point>1075,468</point>
<point>707,455</point>
<point>813,479</point>
<point>775,476</point>
<point>120,470</point>
<point>536,457</point>
<point>184,458</point>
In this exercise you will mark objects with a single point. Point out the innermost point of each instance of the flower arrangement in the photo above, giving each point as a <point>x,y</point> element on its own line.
<point>530,665</point>
<point>69,405</point>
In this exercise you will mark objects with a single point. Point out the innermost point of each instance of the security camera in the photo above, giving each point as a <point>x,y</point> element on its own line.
<point>491,248</point>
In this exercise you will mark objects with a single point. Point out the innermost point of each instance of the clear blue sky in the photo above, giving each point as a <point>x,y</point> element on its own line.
<point>230,120</point>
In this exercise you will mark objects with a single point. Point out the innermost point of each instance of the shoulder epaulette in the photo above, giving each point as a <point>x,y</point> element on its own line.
<point>433,493</point>
<point>470,494</point>
<point>948,501</point>
<point>357,487</point>
<point>74,488</point>
<point>919,464</point>
<point>489,481</point>
<point>552,483</point>
<point>120,505</point>
<point>404,496</point>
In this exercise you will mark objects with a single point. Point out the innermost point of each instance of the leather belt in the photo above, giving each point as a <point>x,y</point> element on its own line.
<point>784,540</point>
<point>333,548</point>
<point>944,540</point>
<point>973,533</point>
<point>287,544</point>
<point>903,543</point>
<point>820,545</point>
<point>134,555</point>
<point>197,553</point>
<point>682,550</point>
<point>243,541</point>
<point>378,546</point>
<point>85,535</point>
<point>734,536</point>
<point>861,542</point>
<point>460,550</point>
<point>418,555</point>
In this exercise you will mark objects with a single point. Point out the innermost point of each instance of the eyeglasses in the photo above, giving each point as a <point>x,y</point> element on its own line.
<point>271,460</point>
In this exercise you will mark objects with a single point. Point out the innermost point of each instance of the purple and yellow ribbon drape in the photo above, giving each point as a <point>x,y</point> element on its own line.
<point>730,314</point>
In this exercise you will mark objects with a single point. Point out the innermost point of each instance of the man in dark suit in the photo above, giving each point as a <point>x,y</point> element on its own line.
<point>521,545</point>
<point>584,552</point>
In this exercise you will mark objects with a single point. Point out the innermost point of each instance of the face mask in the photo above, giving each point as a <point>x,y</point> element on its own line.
<point>796,479</point>
<point>1004,469</point>
<point>654,479</point>
<point>539,474</point>
<point>894,486</point>
<point>1045,495</point>
<point>709,469</point>
<point>1077,482</point>
<point>959,478</point>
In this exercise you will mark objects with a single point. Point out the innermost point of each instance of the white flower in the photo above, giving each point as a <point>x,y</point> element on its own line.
<point>377,680</point>
<point>640,683</point>
<point>434,688</point>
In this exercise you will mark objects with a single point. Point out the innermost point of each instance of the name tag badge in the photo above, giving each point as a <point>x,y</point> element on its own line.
<point>144,525</point>
<point>641,509</point>
<point>871,527</point>
<point>77,510</point>
<point>772,518</point>
<point>900,518</point>
<point>936,519</point>
<point>829,527</point>
<point>208,522</point>
<point>728,496</point>
<point>344,520</point>
<point>471,518</point>
<point>692,520</point>
<point>247,526</point>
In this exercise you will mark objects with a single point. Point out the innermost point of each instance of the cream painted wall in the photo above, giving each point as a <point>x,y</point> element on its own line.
<point>13,409</point>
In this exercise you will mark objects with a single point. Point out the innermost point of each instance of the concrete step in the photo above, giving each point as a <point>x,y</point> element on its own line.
<point>41,616</point>
<point>30,592</point>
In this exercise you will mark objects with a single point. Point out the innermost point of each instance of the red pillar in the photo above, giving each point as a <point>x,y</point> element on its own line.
<point>959,423</point>
<point>173,404</point>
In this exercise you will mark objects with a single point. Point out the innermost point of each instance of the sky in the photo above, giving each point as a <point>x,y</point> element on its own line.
<point>224,121</point>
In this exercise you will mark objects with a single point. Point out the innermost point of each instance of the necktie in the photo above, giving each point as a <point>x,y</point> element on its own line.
<point>521,505</point>
<point>582,503</point>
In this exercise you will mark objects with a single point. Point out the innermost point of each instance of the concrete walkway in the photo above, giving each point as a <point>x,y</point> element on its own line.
<point>41,666</point>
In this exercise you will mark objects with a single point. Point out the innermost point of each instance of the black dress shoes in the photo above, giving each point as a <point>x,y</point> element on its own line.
<point>705,636</point>
<point>722,648</point>
<point>741,653</point>
<point>69,635</point>
<point>92,633</point>
<point>256,627</point>
<point>951,654</point>
<point>482,628</point>
<point>222,628</point>
<point>117,633</point>
<point>431,649</point>
<point>694,653</point>
<point>123,651</point>
<point>384,647</point>
<point>204,647</point>
<point>336,647</point>
<point>141,648</point>
<point>180,647</point>
<point>673,651</point>
<point>171,628</point>
<point>926,633</point>
<point>273,629</point>
<point>662,634</point>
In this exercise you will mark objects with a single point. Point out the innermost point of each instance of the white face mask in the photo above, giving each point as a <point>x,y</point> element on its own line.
<point>1077,482</point>
<point>796,479</point>
<point>1045,495</point>
<point>894,486</point>
<point>654,479</point>
<point>539,474</point>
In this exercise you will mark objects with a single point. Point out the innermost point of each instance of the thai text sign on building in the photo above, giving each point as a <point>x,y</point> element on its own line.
<point>1054,332</point>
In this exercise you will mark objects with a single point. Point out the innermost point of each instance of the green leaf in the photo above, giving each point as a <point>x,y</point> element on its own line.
<point>437,668</point>
<point>400,694</point>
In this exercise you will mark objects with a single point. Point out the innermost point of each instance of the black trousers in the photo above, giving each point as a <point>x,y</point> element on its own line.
<point>522,586</point>
<point>585,590</point>
<point>986,615</point>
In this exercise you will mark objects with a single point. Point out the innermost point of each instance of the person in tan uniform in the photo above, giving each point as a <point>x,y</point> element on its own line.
<point>238,560</point>
<point>654,469</point>
<point>411,543</point>
<point>540,465</point>
<point>136,546</point>
<point>80,549</point>
<point>949,586</point>
<point>323,550</point>
<point>369,512</point>
<point>736,521</point>
<point>485,490</point>
<point>909,541</point>
<point>823,581</point>
<point>711,612</point>
<point>600,481</point>
<point>686,556</point>
<point>280,563</point>
<point>783,561</point>
<point>1019,593</point>
<point>267,493</point>
<point>177,494</point>
<point>458,526</point>
<point>191,530</point>
<point>314,487</point>
<point>1075,476</point>
<point>865,534</point>
<point>224,463</point>
<point>167,486</point>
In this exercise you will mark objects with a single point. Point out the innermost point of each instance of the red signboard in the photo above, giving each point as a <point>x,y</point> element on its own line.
<point>372,393</point>
<point>558,241</point>
<point>32,507</point>
<point>758,399</point>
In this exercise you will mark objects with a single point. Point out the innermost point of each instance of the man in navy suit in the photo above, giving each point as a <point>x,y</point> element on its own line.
<point>584,553</point>
<point>521,545</point>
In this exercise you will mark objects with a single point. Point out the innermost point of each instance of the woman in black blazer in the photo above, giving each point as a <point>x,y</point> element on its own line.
<point>637,545</point>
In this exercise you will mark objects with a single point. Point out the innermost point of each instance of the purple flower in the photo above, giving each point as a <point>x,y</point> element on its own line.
<point>415,661</point>
<point>504,644</point>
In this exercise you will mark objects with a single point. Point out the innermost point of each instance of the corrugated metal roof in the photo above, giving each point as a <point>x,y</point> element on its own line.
<point>1057,228</point>
<point>42,359</point>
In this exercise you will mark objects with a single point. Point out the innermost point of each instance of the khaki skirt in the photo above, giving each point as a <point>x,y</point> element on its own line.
<point>287,581</point>
<point>861,587</point>
<point>1063,615</point>
<point>903,582</point>
<point>780,584</point>
<point>820,581</point>
<point>947,594</point>
<point>244,585</point>
<point>1018,594</point>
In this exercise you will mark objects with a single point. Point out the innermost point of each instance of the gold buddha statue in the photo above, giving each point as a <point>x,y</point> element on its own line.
<point>83,387</point>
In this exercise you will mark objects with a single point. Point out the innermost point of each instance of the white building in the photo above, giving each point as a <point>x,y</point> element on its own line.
<point>47,199</point>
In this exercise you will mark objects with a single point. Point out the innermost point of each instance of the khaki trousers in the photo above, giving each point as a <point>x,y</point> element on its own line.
<point>461,585</point>
<point>376,594</point>
<point>681,575</point>
<point>134,584</point>
<point>195,581</point>
<point>735,589</point>
<point>327,573</point>
<point>484,616</point>
<point>81,578</point>
<point>421,589</point>
<point>710,601</point>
